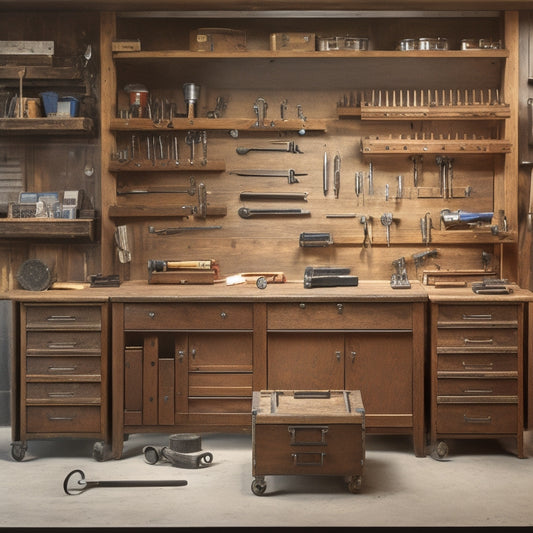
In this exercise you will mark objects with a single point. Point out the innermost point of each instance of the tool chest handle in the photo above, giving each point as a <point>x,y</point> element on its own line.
<point>311,394</point>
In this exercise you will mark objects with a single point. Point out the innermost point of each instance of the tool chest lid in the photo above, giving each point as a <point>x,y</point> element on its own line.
<point>316,406</point>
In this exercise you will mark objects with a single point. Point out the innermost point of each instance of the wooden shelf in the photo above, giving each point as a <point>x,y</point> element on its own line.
<point>146,124</point>
<point>47,228</point>
<point>167,166</point>
<point>48,125</point>
<point>162,211</point>
<point>379,146</point>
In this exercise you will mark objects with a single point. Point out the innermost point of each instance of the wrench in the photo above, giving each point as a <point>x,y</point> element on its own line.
<point>386,220</point>
<point>191,190</point>
<point>245,212</point>
<point>290,146</point>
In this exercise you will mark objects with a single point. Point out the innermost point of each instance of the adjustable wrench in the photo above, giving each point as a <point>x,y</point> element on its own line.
<point>290,146</point>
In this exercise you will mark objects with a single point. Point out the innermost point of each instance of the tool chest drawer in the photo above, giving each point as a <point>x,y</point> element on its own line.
<point>307,433</point>
<point>63,341</point>
<point>477,315</point>
<point>63,392</point>
<point>477,363</point>
<point>478,338</point>
<point>202,316</point>
<point>472,387</point>
<point>62,366</point>
<point>63,317</point>
<point>317,315</point>
<point>63,419</point>
<point>220,384</point>
<point>479,419</point>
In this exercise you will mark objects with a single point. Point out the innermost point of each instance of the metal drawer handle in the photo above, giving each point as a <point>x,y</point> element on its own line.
<point>477,317</point>
<point>353,355</point>
<point>307,458</point>
<point>181,354</point>
<point>477,420</point>
<point>61,318</point>
<point>478,391</point>
<point>61,368</point>
<point>60,418</point>
<point>292,430</point>
<point>193,353</point>
<point>340,308</point>
<point>223,314</point>
<point>60,394</point>
<point>479,341</point>
<point>62,345</point>
<point>338,355</point>
<point>477,366</point>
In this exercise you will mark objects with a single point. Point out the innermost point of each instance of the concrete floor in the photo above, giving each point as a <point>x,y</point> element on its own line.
<point>481,483</point>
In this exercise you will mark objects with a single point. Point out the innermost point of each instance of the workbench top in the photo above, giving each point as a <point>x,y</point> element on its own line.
<point>366,291</point>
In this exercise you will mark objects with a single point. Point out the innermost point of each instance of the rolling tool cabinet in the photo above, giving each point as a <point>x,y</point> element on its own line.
<point>477,367</point>
<point>61,382</point>
<point>319,433</point>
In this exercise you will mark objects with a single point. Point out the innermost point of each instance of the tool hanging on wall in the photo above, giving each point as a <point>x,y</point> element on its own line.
<point>464,219</point>
<point>220,107</point>
<point>183,229</point>
<point>249,195</point>
<point>336,175</point>
<point>325,174</point>
<point>425,228</point>
<point>121,242</point>
<point>260,109</point>
<point>289,146</point>
<point>399,278</point>
<point>263,173</point>
<point>366,220</point>
<point>386,220</point>
<point>420,257</point>
<point>75,483</point>
<point>191,190</point>
<point>315,240</point>
<point>191,94</point>
<point>245,212</point>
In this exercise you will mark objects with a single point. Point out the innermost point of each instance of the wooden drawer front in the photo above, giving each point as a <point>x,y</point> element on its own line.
<point>220,405</point>
<point>63,317</point>
<point>476,363</point>
<point>477,314</point>
<point>63,366</point>
<point>188,316</point>
<point>338,316</point>
<point>477,387</point>
<point>477,418</point>
<point>308,449</point>
<point>478,338</point>
<point>63,341</point>
<point>63,419</point>
<point>63,393</point>
<point>220,384</point>
<point>220,352</point>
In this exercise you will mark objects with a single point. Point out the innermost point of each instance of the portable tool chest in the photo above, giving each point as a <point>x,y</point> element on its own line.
<point>308,433</point>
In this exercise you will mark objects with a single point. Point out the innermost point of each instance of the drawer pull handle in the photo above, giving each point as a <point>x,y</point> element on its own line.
<point>307,429</point>
<point>302,306</point>
<point>477,419</point>
<point>61,368</point>
<point>55,418</point>
<point>477,366</point>
<point>181,354</point>
<point>338,355</point>
<point>479,341</point>
<point>193,353</point>
<point>62,345</point>
<point>353,354</point>
<point>340,308</point>
<point>61,318</point>
<point>223,314</point>
<point>151,314</point>
<point>478,391</point>
<point>477,317</point>
<point>308,458</point>
<point>60,394</point>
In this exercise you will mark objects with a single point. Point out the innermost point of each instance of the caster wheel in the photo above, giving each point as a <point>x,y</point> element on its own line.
<point>258,487</point>
<point>101,451</point>
<point>18,451</point>
<point>151,456</point>
<point>354,484</point>
<point>440,451</point>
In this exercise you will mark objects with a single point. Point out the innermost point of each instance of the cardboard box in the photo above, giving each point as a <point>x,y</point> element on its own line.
<point>293,41</point>
<point>126,45</point>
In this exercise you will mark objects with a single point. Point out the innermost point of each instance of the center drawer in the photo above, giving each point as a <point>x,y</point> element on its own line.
<point>478,337</point>
<point>382,316</point>
<point>188,316</point>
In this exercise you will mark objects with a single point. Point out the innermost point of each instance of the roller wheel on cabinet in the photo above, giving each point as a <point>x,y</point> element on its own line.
<point>101,451</point>
<point>18,450</point>
<point>354,484</point>
<point>259,486</point>
<point>440,451</point>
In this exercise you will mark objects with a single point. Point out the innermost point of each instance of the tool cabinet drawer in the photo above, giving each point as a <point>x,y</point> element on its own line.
<point>220,384</point>
<point>63,366</point>
<point>63,317</point>
<point>313,449</point>
<point>477,338</point>
<point>214,405</point>
<point>295,316</point>
<point>477,363</point>
<point>63,419</point>
<point>477,387</point>
<point>227,351</point>
<point>63,341</point>
<point>477,315</point>
<point>188,316</point>
<point>63,393</point>
<point>475,419</point>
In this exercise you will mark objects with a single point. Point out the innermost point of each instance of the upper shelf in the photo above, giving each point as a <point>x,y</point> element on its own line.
<point>49,125</point>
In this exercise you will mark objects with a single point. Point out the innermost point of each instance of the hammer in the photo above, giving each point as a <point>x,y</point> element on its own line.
<point>156,265</point>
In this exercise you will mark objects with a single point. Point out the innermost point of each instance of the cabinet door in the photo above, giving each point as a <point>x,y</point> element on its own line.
<point>380,366</point>
<point>305,361</point>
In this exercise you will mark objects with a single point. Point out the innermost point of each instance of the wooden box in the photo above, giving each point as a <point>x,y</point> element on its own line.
<point>217,40</point>
<point>308,433</point>
<point>293,41</point>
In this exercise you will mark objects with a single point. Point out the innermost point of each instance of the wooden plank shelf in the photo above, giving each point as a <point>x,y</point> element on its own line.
<point>47,228</point>
<point>379,146</point>
<point>167,166</point>
<point>248,124</point>
<point>161,211</point>
<point>48,125</point>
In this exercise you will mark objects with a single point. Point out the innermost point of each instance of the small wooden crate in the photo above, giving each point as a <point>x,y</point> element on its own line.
<point>217,40</point>
<point>308,433</point>
<point>293,41</point>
